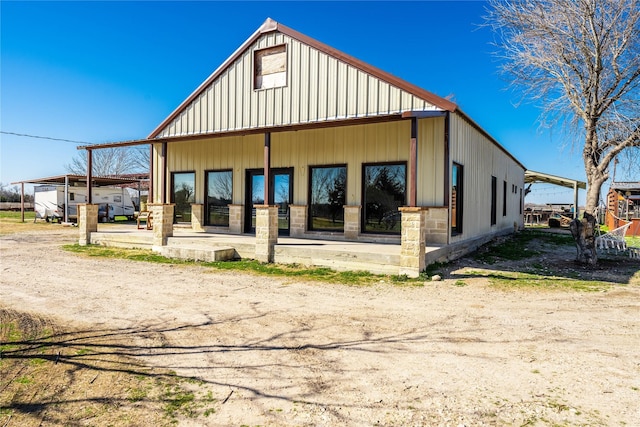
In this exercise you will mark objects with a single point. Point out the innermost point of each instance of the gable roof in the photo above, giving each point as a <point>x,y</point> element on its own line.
<point>226,101</point>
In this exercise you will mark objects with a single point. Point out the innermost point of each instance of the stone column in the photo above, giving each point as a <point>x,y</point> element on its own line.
<point>197,217</point>
<point>236,218</point>
<point>162,222</point>
<point>298,220</point>
<point>412,249</point>
<point>266,232</point>
<point>87,222</point>
<point>352,222</point>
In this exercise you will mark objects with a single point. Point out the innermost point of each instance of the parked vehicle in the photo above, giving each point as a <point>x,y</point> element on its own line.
<point>50,202</point>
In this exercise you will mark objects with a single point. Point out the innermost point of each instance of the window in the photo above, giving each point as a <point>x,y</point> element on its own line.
<point>456,198</point>
<point>117,199</point>
<point>494,201</point>
<point>384,188</point>
<point>504,198</point>
<point>218,197</point>
<point>72,196</point>
<point>270,67</point>
<point>183,195</point>
<point>521,201</point>
<point>328,194</point>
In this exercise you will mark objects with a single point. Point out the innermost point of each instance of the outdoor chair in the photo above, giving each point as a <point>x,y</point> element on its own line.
<point>614,240</point>
<point>147,217</point>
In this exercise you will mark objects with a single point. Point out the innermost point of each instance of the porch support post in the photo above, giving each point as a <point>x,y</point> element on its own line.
<point>87,222</point>
<point>66,199</point>
<point>352,222</point>
<point>162,215</point>
<point>266,232</point>
<point>575,200</point>
<point>22,202</point>
<point>197,217</point>
<point>89,177</point>
<point>267,166</point>
<point>413,163</point>
<point>150,189</point>
<point>163,173</point>
<point>412,249</point>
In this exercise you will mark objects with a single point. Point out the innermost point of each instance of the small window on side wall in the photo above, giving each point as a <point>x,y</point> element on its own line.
<point>270,67</point>
<point>457,179</point>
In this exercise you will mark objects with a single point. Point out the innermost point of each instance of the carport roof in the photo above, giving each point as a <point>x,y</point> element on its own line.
<point>531,177</point>
<point>75,179</point>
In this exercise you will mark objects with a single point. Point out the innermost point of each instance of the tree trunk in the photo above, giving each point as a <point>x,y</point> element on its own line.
<point>583,231</point>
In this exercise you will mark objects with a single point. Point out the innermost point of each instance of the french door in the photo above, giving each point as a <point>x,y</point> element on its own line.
<point>280,194</point>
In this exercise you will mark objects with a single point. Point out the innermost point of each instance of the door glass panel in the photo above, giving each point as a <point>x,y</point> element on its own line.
<point>282,198</point>
<point>257,196</point>
<point>219,190</point>
<point>183,195</point>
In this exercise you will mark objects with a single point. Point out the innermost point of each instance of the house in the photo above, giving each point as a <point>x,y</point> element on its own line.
<point>623,207</point>
<point>292,137</point>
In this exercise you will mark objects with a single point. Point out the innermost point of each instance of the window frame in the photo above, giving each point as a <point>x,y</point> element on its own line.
<point>258,54</point>
<point>494,200</point>
<point>310,195</point>
<point>459,203</point>
<point>173,195</point>
<point>504,198</point>
<point>363,212</point>
<point>206,196</point>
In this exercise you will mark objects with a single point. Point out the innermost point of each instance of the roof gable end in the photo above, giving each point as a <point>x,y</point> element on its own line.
<point>317,84</point>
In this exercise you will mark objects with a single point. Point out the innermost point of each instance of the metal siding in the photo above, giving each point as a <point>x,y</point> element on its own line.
<point>482,159</point>
<point>313,85</point>
<point>319,88</point>
<point>332,88</point>
<point>342,90</point>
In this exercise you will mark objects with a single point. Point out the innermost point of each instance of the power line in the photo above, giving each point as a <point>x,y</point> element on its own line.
<point>45,137</point>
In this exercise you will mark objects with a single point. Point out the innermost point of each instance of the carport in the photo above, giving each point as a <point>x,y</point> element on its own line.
<point>532,177</point>
<point>73,180</point>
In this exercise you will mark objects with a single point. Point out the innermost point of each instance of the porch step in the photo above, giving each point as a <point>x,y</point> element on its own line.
<point>204,242</point>
<point>219,253</point>
<point>123,240</point>
<point>339,260</point>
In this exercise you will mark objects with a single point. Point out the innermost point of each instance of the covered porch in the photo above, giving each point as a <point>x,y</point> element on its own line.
<point>339,255</point>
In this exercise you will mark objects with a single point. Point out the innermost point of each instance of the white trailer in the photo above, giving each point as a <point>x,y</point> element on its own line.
<point>49,201</point>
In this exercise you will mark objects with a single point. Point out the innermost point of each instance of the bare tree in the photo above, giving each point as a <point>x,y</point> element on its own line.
<point>580,60</point>
<point>112,161</point>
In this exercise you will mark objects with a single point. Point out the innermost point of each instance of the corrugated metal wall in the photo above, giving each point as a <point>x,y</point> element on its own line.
<point>319,88</point>
<point>350,145</point>
<point>481,160</point>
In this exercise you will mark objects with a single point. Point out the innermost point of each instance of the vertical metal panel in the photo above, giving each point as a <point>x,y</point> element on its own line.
<point>319,88</point>
<point>304,82</point>
<point>352,91</point>
<point>321,94</point>
<point>332,88</point>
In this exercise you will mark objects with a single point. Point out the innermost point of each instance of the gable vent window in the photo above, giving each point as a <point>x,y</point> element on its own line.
<point>271,67</point>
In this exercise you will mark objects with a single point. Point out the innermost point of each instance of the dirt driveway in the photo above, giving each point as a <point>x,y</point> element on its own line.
<point>287,353</point>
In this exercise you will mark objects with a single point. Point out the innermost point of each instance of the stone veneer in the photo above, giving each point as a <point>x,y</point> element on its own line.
<point>436,225</point>
<point>412,246</point>
<point>266,232</point>
<point>297,220</point>
<point>197,216</point>
<point>162,222</point>
<point>351,222</point>
<point>236,218</point>
<point>87,222</point>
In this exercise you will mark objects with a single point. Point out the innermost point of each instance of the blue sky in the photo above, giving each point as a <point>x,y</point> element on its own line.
<point>111,71</point>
